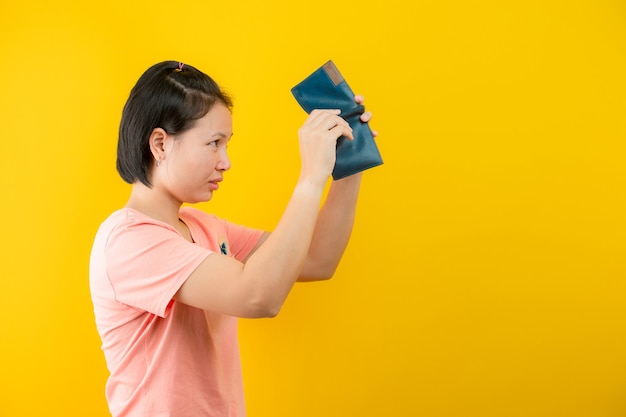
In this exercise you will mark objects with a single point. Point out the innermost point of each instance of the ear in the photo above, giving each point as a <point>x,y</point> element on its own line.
<point>157,141</point>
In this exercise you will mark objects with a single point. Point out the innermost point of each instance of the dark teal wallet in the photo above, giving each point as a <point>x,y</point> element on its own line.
<point>326,89</point>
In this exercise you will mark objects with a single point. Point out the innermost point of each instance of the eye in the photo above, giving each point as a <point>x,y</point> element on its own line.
<point>214,143</point>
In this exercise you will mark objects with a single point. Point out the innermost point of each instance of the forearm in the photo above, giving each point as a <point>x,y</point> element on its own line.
<point>333,229</point>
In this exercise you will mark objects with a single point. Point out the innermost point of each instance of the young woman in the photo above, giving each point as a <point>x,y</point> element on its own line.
<point>169,282</point>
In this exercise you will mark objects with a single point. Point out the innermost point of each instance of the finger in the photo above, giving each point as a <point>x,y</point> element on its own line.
<point>319,113</point>
<point>359,99</point>
<point>342,130</point>
<point>333,111</point>
<point>318,116</point>
<point>328,121</point>
<point>366,116</point>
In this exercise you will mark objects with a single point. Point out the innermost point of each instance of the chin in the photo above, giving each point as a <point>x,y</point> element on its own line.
<point>203,198</point>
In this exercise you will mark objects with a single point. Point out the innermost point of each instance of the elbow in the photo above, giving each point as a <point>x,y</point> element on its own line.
<point>270,313</point>
<point>315,278</point>
<point>268,308</point>
<point>264,307</point>
<point>318,269</point>
<point>319,274</point>
<point>326,275</point>
<point>265,311</point>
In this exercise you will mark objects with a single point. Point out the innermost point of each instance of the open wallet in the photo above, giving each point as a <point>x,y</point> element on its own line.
<point>327,89</point>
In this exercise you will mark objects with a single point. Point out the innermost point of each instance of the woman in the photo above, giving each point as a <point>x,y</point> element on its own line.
<point>169,282</point>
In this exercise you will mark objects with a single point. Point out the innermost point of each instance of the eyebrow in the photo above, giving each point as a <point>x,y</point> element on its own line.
<point>221,135</point>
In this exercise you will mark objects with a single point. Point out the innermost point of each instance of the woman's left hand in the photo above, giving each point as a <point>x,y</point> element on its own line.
<point>367,115</point>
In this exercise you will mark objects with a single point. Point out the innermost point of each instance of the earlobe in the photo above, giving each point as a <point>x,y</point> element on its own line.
<point>157,144</point>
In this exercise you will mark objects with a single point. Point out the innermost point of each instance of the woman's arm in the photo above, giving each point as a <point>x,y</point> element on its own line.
<point>332,230</point>
<point>334,224</point>
<point>259,287</point>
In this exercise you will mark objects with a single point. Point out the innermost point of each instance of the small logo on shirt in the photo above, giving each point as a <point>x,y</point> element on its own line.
<point>223,248</point>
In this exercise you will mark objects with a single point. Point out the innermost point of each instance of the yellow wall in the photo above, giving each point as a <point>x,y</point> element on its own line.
<point>486,275</point>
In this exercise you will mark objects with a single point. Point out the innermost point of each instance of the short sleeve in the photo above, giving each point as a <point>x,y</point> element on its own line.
<point>243,239</point>
<point>147,263</point>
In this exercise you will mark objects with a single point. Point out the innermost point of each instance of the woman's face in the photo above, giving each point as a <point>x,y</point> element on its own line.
<point>196,160</point>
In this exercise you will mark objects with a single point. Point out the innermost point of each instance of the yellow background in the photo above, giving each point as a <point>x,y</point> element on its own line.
<point>486,274</point>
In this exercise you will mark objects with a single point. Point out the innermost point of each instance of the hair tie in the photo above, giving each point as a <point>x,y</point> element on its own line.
<point>180,67</point>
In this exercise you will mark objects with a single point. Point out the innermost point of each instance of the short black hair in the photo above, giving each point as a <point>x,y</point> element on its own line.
<point>169,95</point>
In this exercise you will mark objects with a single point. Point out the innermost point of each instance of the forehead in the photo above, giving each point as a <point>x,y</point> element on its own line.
<point>217,121</point>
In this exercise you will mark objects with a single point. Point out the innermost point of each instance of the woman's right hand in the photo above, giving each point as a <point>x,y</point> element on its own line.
<point>318,140</point>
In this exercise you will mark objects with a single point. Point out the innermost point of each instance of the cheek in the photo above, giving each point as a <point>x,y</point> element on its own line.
<point>193,157</point>
<point>199,164</point>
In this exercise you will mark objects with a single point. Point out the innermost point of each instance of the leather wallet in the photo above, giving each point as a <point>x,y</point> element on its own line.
<point>326,88</point>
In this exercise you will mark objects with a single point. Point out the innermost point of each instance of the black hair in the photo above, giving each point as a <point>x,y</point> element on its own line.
<point>168,95</point>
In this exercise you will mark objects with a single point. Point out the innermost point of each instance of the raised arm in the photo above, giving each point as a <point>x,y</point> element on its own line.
<point>259,287</point>
<point>334,224</point>
<point>333,229</point>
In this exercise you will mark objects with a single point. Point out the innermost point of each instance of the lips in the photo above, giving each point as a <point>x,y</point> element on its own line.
<point>214,184</point>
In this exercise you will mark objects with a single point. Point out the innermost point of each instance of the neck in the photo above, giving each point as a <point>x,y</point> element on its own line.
<point>153,203</point>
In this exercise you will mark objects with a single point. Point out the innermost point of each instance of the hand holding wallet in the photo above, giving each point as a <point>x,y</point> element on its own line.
<point>327,89</point>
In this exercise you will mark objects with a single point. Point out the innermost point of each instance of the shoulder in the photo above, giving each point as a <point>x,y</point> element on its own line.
<point>130,239</point>
<point>126,227</point>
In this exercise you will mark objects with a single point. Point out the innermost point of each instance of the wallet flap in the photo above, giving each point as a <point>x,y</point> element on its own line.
<point>333,73</point>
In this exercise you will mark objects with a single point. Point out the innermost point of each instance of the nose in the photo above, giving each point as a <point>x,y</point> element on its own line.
<point>223,164</point>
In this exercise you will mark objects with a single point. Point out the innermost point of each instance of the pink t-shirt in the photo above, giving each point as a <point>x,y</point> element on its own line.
<point>165,358</point>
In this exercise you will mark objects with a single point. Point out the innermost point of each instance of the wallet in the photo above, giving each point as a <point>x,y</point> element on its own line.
<point>327,89</point>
